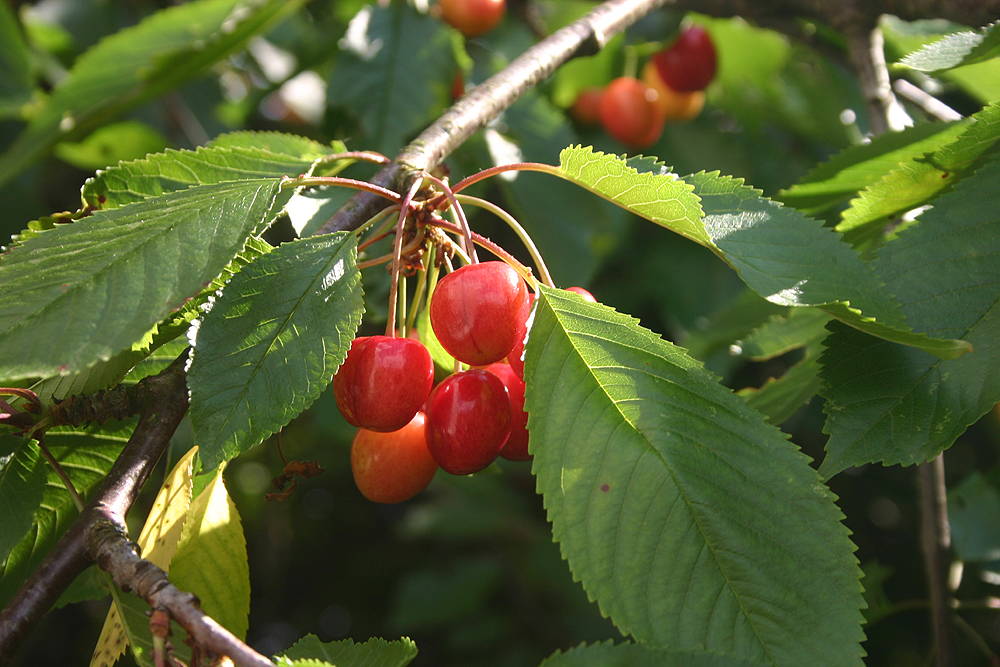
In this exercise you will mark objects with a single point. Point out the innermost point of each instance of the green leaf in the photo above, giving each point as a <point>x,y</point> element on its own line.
<point>657,195</point>
<point>178,170</point>
<point>781,334</point>
<point>916,183</point>
<point>137,64</point>
<point>127,140</point>
<point>272,342</point>
<point>373,653</point>
<point>64,307</point>
<point>277,142</point>
<point>857,167</point>
<point>895,404</point>
<point>693,523</point>
<point>394,73</point>
<point>793,260</point>
<point>15,65</point>
<point>86,457</point>
<point>22,487</point>
<point>956,50</point>
<point>211,559</point>
<point>609,654</point>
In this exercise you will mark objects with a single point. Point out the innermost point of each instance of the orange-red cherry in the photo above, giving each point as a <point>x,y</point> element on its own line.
<point>395,466</point>
<point>478,312</point>
<point>383,382</point>
<point>473,17</point>
<point>629,113</point>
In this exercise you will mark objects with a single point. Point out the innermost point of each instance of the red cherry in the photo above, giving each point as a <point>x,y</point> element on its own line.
<point>395,466</point>
<point>586,108</point>
<point>457,85</point>
<point>587,296</point>
<point>629,113</point>
<point>468,421</point>
<point>690,62</point>
<point>516,356</point>
<point>383,382</point>
<point>478,312</point>
<point>516,447</point>
<point>473,17</point>
<point>673,105</point>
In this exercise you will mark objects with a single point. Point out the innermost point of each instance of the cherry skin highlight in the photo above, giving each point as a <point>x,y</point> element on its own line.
<point>473,17</point>
<point>395,466</point>
<point>516,447</point>
<point>478,312</point>
<point>383,382</point>
<point>468,421</point>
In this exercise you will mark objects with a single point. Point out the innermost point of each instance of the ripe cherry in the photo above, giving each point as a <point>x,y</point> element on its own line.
<point>473,17</point>
<point>629,113</point>
<point>516,356</point>
<point>395,466</point>
<point>673,105</point>
<point>516,447</point>
<point>383,382</point>
<point>586,108</point>
<point>478,312</point>
<point>690,62</point>
<point>468,421</point>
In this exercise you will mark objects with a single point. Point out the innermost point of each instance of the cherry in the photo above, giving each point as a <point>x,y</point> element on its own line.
<point>673,105</point>
<point>383,382</point>
<point>587,296</point>
<point>395,466</point>
<point>478,312</point>
<point>457,85</point>
<point>629,113</point>
<point>690,62</point>
<point>516,356</point>
<point>516,447</point>
<point>473,17</point>
<point>468,421</point>
<point>586,108</point>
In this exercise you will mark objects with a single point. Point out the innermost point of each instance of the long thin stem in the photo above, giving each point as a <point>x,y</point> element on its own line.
<point>390,327</point>
<point>463,221</point>
<point>543,271</point>
<point>63,477</point>
<point>484,242</point>
<point>317,181</point>
<point>935,540</point>
<point>504,168</point>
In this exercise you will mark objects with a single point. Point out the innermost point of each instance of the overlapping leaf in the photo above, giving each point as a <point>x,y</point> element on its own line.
<point>609,654</point>
<point>272,342</point>
<point>857,167</point>
<point>896,404</point>
<point>915,183</point>
<point>64,307</point>
<point>956,50</point>
<point>394,73</point>
<point>693,523</point>
<point>22,486</point>
<point>782,255</point>
<point>139,63</point>
<point>86,458</point>
<point>15,84</point>
<point>375,652</point>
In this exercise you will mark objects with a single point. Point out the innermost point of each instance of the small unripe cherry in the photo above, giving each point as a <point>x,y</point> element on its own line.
<point>383,382</point>
<point>478,312</point>
<point>675,106</point>
<point>629,113</point>
<point>516,447</point>
<point>395,466</point>
<point>468,421</point>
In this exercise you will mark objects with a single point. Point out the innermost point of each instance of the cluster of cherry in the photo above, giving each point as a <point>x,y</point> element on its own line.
<point>634,111</point>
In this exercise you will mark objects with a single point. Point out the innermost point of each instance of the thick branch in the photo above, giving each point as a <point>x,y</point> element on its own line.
<point>488,100</point>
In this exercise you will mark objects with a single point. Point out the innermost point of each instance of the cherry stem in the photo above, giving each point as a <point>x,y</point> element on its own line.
<point>364,156</point>
<point>631,62</point>
<point>503,168</point>
<point>390,327</point>
<point>409,247</point>
<point>26,394</point>
<point>463,222</point>
<point>422,279</point>
<point>484,242</point>
<point>402,305</point>
<point>522,234</point>
<point>317,181</point>
<point>67,482</point>
<point>381,231</point>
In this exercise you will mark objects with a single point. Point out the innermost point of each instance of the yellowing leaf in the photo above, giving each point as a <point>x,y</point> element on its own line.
<point>157,542</point>
<point>211,560</point>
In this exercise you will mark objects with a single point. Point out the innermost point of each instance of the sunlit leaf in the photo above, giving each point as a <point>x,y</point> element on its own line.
<point>372,653</point>
<point>956,50</point>
<point>693,523</point>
